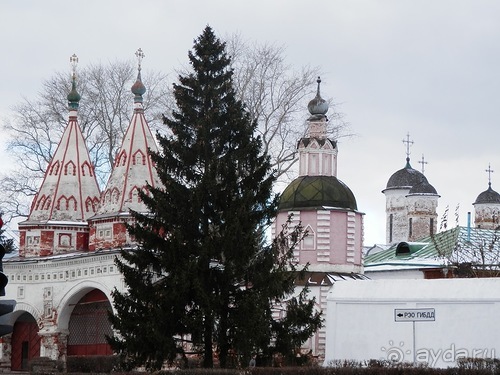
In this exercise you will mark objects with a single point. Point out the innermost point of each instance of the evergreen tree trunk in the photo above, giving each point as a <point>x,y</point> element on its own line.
<point>223,342</point>
<point>208,355</point>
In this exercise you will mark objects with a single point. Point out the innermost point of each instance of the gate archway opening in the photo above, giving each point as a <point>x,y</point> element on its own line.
<point>25,342</point>
<point>89,325</point>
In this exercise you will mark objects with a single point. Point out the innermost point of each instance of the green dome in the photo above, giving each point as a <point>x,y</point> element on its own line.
<point>73,96</point>
<point>316,192</point>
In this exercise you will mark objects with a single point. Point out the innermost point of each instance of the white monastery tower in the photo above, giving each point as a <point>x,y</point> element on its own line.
<point>411,204</point>
<point>68,196</point>
<point>487,207</point>
<point>133,170</point>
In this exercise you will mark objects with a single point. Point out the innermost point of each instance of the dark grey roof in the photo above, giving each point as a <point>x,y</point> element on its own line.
<point>406,178</point>
<point>488,196</point>
<point>424,188</point>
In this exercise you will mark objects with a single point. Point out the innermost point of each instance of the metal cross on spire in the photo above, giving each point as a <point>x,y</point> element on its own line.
<point>140,55</point>
<point>408,145</point>
<point>423,162</point>
<point>73,60</point>
<point>490,171</point>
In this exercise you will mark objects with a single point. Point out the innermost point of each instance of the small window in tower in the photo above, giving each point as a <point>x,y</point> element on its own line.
<point>431,226</point>
<point>390,228</point>
<point>115,195</point>
<point>64,239</point>
<point>70,169</point>
<point>308,241</point>
<point>410,227</point>
<point>104,232</point>
<point>134,195</point>
<point>33,240</point>
<point>313,164</point>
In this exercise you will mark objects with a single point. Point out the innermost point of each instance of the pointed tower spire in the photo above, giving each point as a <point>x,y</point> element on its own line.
<point>68,196</point>
<point>133,170</point>
<point>317,153</point>
<point>138,89</point>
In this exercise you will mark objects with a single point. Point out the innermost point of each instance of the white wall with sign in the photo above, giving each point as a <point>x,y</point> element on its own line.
<point>427,321</point>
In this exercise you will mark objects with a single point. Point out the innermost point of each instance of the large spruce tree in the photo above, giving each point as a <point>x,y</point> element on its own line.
<point>204,276</point>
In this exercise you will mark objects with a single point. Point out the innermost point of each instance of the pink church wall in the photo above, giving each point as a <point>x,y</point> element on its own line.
<point>338,237</point>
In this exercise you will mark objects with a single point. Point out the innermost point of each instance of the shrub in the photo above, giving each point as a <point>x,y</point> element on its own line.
<point>45,365</point>
<point>92,364</point>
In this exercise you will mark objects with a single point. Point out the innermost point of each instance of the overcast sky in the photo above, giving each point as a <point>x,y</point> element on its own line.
<point>427,67</point>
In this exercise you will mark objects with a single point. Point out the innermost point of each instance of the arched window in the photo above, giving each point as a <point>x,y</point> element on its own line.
<point>87,169</point>
<point>107,196</point>
<point>390,228</point>
<point>47,203</point>
<point>89,205</point>
<point>115,195</point>
<point>403,248</point>
<point>70,168</point>
<point>121,158</point>
<point>134,194</point>
<point>139,158</point>
<point>62,203</point>
<point>309,239</point>
<point>41,202</point>
<point>54,169</point>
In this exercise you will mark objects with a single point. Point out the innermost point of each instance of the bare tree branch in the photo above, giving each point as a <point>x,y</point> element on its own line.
<point>276,95</point>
